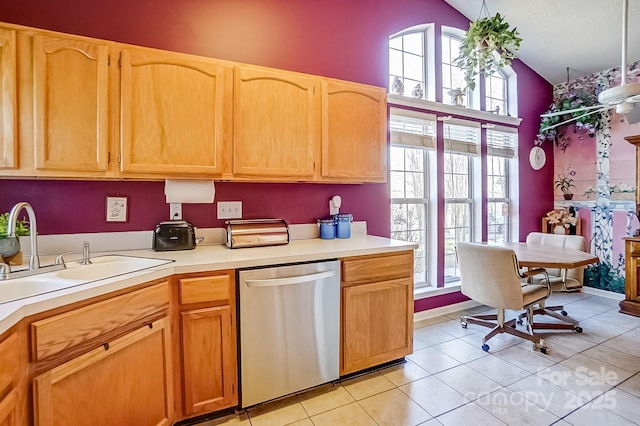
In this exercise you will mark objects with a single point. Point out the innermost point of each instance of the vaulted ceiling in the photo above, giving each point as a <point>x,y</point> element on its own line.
<point>584,35</point>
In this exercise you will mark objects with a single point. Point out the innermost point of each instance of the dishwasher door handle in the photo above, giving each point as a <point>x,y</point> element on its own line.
<point>273,282</point>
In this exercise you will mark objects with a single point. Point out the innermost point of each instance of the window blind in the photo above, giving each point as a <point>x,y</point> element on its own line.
<point>502,142</point>
<point>462,137</point>
<point>411,128</point>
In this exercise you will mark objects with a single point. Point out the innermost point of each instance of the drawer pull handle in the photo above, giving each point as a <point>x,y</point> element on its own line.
<point>106,346</point>
<point>150,325</point>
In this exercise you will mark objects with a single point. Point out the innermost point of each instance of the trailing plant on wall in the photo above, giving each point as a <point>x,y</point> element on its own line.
<point>564,101</point>
<point>488,46</point>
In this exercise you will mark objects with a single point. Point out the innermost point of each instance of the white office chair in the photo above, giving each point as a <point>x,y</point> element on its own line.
<point>562,279</point>
<point>490,275</point>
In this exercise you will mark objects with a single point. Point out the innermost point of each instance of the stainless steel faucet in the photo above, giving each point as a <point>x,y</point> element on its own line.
<point>86,254</point>
<point>34,260</point>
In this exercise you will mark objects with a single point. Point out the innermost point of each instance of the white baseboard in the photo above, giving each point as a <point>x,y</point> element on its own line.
<point>602,293</point>
<point>443,310</point>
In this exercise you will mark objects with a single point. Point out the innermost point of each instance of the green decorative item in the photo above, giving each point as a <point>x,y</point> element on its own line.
<point>22,227</point>
<point>564,183</point>
<point>575,102</point>
<point>11,246</point>
<point>488,46</point>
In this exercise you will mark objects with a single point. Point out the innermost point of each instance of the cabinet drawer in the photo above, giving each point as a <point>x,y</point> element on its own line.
<point>205,289</point>
<point>9,363</point>
<point>358,270</point>
<point>634,248</point>
<point>60,332</point>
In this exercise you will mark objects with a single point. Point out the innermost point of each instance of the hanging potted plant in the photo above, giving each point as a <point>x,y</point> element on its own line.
<point>488,46</point>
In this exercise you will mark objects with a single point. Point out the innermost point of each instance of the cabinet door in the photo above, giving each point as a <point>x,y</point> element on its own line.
<point>354,132</point>
<point>209,359</point>
<point>172,112</point>
<point>377,323</point>
<point>124,382</point>
<point>9,409</point>
<point>276,124</point>
<point>8,83</point>
<point>71,98</point>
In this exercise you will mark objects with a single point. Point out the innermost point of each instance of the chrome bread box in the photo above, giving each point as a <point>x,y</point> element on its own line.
<point>256,233</point>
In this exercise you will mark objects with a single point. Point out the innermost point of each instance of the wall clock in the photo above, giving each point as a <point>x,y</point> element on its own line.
<point>537,158</point>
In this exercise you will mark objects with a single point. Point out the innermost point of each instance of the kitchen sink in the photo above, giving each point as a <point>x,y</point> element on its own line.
<point>102,267</point>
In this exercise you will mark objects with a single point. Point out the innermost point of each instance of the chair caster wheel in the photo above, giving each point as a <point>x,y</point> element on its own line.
<point>513,326</point>
<point>543,350</point>
<point>463,325</point>
<point>578,329</point>
<point>485,348</point>
<point>564,313</point>
<point>520,322</point>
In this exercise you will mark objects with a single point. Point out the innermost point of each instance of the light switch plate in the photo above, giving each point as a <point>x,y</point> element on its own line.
<point>229,209</point>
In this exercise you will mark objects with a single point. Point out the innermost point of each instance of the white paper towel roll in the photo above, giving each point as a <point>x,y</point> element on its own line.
<point>189,191</point>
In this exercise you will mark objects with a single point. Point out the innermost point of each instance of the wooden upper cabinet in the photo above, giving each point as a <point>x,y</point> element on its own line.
<point>172,113</point>
<point>276,124</point>
<point>71,101</point>
<point>354,132</point>
<point>8,84</point>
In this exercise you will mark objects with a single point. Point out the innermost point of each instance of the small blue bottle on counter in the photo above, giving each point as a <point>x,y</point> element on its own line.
<point>343,225</point>
<point>327,228</point>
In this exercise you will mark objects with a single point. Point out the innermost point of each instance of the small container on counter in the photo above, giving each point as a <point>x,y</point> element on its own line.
<point>327,228</point>
<point>343,225</point>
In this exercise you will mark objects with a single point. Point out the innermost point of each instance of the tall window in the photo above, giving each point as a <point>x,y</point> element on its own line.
<point>495,88</point>
<point>461,146</point>
<point>417,170</point>
<point>452,76</point>
<point>407,62</point>
<point>412,137</point>
<point>501,149</point>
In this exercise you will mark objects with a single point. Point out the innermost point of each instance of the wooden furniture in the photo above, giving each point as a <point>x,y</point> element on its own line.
<point>208,342</point>
<point>92,108</point>
<point>548,228</point>
<point>125,381</point>
<point>354,132</point>
<point>70,102</point>
<point>376,311</point>
<point>8,100</point>
<point>276,123</point>
<point>165,350</point>
<point>631,303</point>
<point>107,361</point>
<point>10,364</point>
<point>540,256</point>
<point>174,108</point>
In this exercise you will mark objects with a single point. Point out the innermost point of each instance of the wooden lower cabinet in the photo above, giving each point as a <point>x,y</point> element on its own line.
<point>126,381</point>
<point>377,315</point>
<point>209,360</point>
<point>9,409</point>
<point>631,303</point>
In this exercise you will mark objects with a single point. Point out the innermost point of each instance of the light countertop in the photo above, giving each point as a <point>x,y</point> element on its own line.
<point>202,258</point>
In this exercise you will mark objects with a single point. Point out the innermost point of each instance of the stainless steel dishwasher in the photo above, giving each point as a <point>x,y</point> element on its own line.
<point>289,329</point>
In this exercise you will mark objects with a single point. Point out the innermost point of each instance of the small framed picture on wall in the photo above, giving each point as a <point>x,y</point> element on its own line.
<point>117,206</point>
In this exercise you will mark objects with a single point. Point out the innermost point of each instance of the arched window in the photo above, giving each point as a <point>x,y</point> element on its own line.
<point>411,63</point>
<point>495,91</point>
<point>452,76</point>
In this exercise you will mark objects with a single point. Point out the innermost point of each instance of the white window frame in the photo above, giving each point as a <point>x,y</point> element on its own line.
<point>428,144</point>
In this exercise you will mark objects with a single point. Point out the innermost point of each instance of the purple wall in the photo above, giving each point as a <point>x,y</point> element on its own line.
<point>334,38</point>
<point>79,206</point>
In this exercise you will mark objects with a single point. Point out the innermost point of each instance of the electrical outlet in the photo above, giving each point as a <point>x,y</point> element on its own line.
<point>229,209</point>
<point>175,211</point>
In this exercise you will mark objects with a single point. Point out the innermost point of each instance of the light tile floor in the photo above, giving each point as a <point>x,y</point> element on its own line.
<point>587,379</point>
